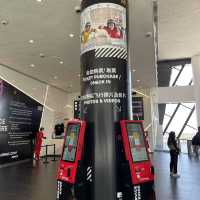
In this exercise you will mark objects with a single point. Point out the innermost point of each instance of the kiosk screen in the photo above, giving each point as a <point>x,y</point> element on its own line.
<point>136,141</point>
<point>71,142</point>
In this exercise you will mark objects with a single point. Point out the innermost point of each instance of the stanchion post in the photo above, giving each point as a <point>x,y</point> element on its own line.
<point>54,153</point>
<point>46,159</point>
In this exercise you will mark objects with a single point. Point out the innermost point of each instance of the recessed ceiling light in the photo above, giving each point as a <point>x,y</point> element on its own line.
<point>61,62</point>
<point>42,55</point>
<point>148,34</point>
<point>39,0</point>
<point>70,85</point>
<point>4,22</point>
<point>71,35</point>
<point>55,77</point>
<point>79,75</point>
<point>134,70</point>
<point>31,41</point>
<point>138,80</point>
<point>32,65</point>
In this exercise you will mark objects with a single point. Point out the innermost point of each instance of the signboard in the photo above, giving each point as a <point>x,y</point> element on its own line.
<point>77,109</point>
<point>20,118</point>
<point>138,108</point>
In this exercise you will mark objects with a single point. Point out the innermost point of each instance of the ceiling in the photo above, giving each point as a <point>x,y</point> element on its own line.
<point>49,24</point>
<point>179,28</point>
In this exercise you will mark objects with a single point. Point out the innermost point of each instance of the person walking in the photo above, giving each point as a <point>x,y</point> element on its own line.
<point>196,142</point>
<point>174,152</point>
<point>38,143</point>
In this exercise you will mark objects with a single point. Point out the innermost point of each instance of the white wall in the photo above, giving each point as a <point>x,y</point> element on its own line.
<point>174,94</point>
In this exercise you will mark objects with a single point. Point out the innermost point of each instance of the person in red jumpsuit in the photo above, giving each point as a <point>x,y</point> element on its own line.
<point>112,30</point>
<point>38,143</point>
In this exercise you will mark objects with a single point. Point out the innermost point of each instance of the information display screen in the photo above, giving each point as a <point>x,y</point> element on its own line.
<point>136,141</point>
<point>71,142</point>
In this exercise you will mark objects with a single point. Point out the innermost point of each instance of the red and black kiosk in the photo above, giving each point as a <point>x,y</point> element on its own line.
<point>139,166</point>
<point>71,168</point>
<point>106,159</point>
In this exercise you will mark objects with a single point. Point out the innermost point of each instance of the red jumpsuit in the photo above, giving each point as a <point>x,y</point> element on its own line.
<point>115,33</point>
<point>38,144</point>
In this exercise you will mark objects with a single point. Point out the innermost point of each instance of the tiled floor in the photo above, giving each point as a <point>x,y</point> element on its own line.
<point>187,187</point>
<point>37,182</point>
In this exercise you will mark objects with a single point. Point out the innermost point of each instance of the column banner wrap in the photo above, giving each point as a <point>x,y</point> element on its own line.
<point>104,86</point>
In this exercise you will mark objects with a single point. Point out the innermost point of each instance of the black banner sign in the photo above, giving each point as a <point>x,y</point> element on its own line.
<point>20,118</point>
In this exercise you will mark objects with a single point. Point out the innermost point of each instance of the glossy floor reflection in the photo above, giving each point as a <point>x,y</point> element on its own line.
<point>187,187</point>
<point>37,182</point>
<point>29,181</point>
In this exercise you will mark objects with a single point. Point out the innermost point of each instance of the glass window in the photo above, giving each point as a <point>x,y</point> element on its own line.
<point>186,76</point>
<point>188,133</point>
<point>179,67</point>
<point>71,142</point>
<point>136,141</point>
<point>179,120</point>
<point>193,120</point>
<point>170,108</point>
<point>174,74</point>
<point>165,121</point>
<point>189,105</point>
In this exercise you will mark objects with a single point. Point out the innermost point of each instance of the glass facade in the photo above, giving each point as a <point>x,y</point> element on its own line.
<point>181,117</point>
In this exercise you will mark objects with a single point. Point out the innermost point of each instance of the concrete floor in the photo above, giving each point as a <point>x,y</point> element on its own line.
<point>37,182</point>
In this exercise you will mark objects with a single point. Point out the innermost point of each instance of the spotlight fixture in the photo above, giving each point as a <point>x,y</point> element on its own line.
<point>31,41</point>
<point>71,35</point>
<point>32,65</point>
<point>148,34</point>
<point>42,55</point>
<point>4,22</point>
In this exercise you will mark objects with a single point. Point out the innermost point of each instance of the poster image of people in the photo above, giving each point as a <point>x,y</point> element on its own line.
<point>103,25</point>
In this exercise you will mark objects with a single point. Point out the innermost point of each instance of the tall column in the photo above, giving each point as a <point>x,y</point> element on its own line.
<point>196,75</point>
<point>104,86</point>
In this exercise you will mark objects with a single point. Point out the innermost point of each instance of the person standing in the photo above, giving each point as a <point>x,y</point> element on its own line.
<point>38,143</point>
<point>174,152</point>
<point>196,142</point>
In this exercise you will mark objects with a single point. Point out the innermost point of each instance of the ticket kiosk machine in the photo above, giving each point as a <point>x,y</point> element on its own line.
<point>138,160</point>
<point>71,165</point>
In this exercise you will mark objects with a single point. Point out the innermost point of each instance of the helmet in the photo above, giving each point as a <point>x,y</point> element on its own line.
<point>110,21</point>
<point>88,24</point>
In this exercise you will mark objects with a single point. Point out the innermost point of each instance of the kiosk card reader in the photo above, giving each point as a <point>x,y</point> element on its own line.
<point>137,155</point>
<point>72,153</point>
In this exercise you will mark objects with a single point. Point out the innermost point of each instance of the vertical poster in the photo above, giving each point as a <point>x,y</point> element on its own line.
<point>20,118</point>
<point>138,108</point>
